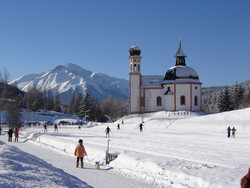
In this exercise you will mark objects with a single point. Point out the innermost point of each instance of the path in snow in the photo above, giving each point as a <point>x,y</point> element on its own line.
<point>61,173</point>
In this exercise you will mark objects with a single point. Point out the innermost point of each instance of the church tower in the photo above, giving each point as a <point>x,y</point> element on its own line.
<point>135,78</point>
<point>180,56</point>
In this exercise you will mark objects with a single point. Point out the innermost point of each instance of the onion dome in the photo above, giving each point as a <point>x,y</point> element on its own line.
<point>181,72</point>
<point>134,51</point>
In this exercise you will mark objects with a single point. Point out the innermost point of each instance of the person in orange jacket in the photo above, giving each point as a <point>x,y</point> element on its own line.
<point>16,134</point>
<point>80,152</point>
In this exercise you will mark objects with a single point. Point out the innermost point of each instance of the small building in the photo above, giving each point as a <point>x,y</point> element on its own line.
<point>178,89</point>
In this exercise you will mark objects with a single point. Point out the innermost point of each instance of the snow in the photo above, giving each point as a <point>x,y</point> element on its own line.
<point>151,81</point>
<point>70,77</point>
<point>184,71</point>
<point>135,47</point>
<point>176,149</point>
<point>20,169</point>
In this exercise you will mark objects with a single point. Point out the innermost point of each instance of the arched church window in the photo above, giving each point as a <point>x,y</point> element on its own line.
<point>196,100</point>
<point>158,101</point>
<point>183,100</point>
<point>138,68</point>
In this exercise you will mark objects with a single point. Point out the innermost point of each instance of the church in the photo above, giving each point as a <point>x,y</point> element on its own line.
<point>178,89</point>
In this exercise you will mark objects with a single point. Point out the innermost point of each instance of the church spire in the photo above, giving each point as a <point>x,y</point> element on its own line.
<point>180,56</point>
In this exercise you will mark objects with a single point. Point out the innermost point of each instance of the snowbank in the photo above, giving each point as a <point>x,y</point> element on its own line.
<point>20,169</point>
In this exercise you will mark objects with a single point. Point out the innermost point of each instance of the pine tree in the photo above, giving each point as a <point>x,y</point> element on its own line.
<point>237,96</point>
<point>240,97</point>
<point>85,106</point>
<point>224,103</point>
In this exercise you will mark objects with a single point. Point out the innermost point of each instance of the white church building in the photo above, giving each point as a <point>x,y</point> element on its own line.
<point>178,89</point>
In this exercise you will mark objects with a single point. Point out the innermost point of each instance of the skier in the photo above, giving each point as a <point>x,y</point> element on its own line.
<point>141,125</point>
<point>45,127</point>
<point>0,130</point>
<point>80,152</point>
<point>10,132</point>
<point>228,132</point>
<point>233,132</point>
<point>118,126</point>
<point>107,131</point>
<point>245,181</point>
<point>16,134</point>
<point>55,128</point>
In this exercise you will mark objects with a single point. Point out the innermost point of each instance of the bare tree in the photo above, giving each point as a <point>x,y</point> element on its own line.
<point>13,113</point>
<point>57,102</point>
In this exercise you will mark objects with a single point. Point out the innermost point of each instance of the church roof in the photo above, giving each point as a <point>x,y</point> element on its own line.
<point>151,81</point>
<point>180,52</point>
<point>181,74</point>
<point>135,51</point>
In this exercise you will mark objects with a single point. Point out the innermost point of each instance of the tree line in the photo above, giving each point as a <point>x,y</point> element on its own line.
<point>220,99</point>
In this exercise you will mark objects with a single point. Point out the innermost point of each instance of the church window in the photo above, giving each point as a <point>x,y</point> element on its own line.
<point>196,100</point>
<point>158,101</point>
<point>138,68</point>
<point>196,87</point>
<point>183,100</point>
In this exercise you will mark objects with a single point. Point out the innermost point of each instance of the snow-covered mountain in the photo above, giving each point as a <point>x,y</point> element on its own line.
<point>71,77</point>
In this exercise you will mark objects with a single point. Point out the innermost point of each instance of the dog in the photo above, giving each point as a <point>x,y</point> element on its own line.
<point>97,165</point>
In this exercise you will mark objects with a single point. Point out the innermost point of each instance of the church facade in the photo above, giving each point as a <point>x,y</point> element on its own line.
<point>178,89</point>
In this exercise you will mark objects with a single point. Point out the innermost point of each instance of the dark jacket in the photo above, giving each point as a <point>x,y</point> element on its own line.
<point>10,132</point>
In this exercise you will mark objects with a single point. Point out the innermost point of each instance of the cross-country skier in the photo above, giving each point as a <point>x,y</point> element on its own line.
<point>141,125</point>
<point>228,132</point>
<point>107,131</point>
<point>56,128</point>
<point>10,132</point>
<point>45,127</point>
<point>16,134</point>
<point>233,132</point>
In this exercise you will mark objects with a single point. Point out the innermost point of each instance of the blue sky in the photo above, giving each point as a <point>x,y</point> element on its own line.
<point>38,35</point>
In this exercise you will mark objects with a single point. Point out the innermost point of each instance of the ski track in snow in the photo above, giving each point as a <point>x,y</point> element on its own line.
<point>178,149</point>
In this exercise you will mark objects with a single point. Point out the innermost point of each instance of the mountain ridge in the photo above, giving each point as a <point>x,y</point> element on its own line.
<point>71,77</point>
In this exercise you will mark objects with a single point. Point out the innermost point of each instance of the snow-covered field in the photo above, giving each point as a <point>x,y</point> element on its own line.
<point>175,149</point>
